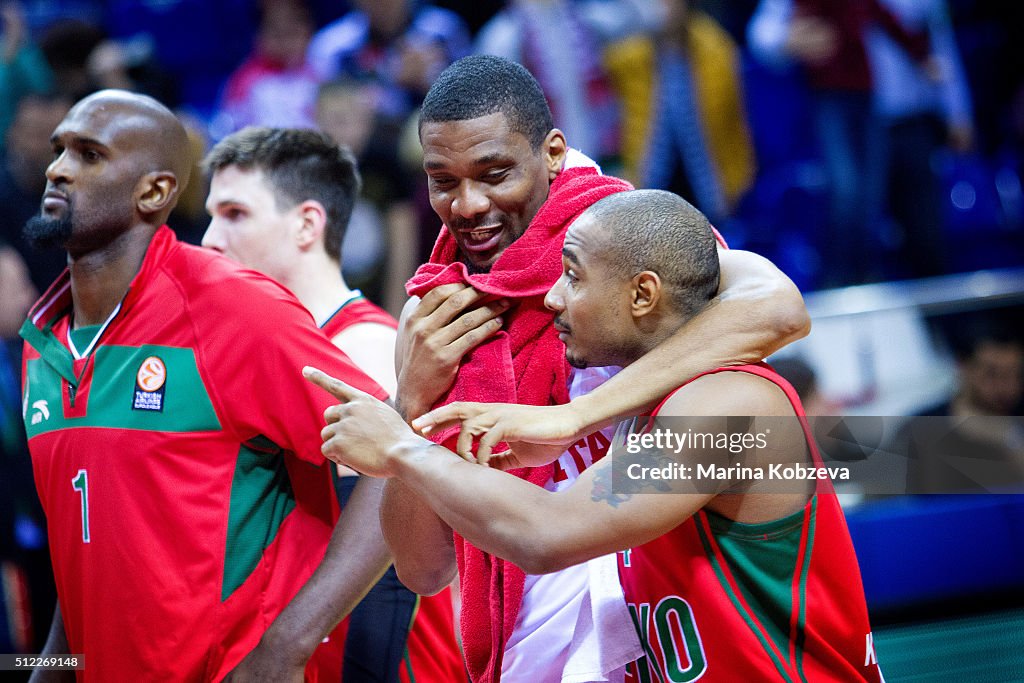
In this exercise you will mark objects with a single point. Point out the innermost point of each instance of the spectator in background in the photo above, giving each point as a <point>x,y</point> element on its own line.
<point>476,13</point>
<point>990,370</point>
<point>85,59</point>
<point>275,86</point>
<point>27,593</point>
<point>27,153</point>
<point>131,65</point>
<point>23,69</point>
<point>974,441</point>
<point>684,121</point>
<point>17,293</point>
<point>549,38</point>
<point>801,375</point>
<point>401,44</point>
<point>827,38</point>
<point>922,112</point>
<point>67,45</point>
<point>382,241</point>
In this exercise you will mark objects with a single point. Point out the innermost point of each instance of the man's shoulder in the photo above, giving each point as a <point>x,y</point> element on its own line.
<point>193,266</point>
<point>363,311</point>
<point>727,391</point>
<point>214,284</point>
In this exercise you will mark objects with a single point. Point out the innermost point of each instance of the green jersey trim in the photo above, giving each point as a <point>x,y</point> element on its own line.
<point>806,549</point>
<point>49,349</point>
<point>261,499</point>
<point>354,296</point>
<point>767,642</point>
<point>765,572</point>
<point>185,405</point>
<point>83,336</point>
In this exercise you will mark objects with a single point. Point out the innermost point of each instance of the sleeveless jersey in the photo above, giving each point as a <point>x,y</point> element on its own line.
<point>355,311</point>
<point>722,602</point>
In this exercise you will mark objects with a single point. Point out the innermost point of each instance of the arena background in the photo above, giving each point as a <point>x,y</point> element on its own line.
<point>893,331</point>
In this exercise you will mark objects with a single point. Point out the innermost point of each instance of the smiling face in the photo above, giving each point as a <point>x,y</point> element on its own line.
<point>487,182</point>
<point>246,223</point>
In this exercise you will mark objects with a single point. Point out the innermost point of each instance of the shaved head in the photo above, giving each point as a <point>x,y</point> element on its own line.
<point>164,134</point>
<point>120,161</point>
<point>661,232</point>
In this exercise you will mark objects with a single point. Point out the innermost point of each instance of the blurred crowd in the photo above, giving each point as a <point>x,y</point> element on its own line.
<point>850,142</point>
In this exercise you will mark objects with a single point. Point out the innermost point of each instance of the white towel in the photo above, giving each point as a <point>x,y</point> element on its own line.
<point>604,640</point>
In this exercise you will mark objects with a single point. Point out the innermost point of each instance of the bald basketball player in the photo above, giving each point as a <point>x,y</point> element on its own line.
<point>175,445</point>
<point>733,576</point>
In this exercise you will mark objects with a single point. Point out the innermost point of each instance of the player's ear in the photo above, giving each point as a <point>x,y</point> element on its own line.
<point>312,222</point>
<point>157,192</point>
<point>646,293</point>
<point>555,148</point>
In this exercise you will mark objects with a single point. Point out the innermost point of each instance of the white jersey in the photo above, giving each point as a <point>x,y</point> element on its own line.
<point>549,631</point>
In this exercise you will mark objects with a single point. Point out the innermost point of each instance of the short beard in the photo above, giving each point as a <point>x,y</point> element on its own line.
<point>47,233</point>
<point>577,362</point>
<point>473,269</point>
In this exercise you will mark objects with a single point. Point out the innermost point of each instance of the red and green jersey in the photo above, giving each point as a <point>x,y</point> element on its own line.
<point>432,652</point>
<point>178,460</point>
<point>721,601</point>
<point>357,311</point>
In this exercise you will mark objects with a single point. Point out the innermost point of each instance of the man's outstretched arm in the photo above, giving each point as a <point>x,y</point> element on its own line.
<point>758,311</point>
<point>504,515</point>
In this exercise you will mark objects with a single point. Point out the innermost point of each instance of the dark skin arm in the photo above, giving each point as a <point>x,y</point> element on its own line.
<point>510,518</point>
<point>56,644</point>
<point>433,336</point>
<point>335,588</point>
<point>434,333</point>
<point>758,311</point>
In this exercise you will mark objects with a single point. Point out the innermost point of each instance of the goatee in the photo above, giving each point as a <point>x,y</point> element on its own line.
<point>577,362</point>
<point>47,233</point>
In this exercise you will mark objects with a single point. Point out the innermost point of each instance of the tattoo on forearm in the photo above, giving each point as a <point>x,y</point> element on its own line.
<point>603,488</point>
<point>613,486</point>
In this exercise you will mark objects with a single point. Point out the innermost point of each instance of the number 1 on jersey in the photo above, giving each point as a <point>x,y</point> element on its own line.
<point>81,484</point>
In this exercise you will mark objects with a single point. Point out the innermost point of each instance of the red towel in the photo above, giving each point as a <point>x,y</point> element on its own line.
<point>524,363</point>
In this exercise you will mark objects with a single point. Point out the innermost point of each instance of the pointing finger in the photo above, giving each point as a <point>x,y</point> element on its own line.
<point>446,415</point>
<point>439,417</point>
<point>333,386</point>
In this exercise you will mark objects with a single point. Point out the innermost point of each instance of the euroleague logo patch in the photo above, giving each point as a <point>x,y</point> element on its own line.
<point>150,384</point>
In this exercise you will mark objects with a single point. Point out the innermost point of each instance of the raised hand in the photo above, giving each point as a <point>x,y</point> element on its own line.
<point>446,325</point>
